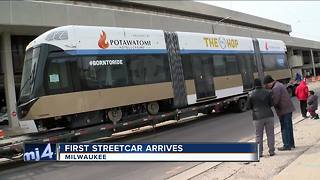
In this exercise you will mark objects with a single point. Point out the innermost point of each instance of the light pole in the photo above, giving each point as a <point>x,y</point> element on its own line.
<point>221,20</point>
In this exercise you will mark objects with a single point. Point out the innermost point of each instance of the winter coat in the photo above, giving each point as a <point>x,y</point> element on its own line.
<point>302,91</point>
<point>281,99</point>
<point>313,102</point>
<point>260,101</point>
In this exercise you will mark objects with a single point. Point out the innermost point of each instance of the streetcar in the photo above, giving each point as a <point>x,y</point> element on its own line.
<point>77,76</point>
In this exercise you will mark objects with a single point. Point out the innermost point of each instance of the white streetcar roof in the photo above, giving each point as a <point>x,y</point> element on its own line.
<point>271,46</point>
<point>213,43</point>
<point>90,39</point>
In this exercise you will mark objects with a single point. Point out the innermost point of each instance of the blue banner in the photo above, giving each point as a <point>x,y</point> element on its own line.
<point>159,148</point>
<point>141,152</point>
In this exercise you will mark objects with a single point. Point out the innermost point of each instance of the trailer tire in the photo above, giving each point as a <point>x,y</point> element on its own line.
<point>241,105</point>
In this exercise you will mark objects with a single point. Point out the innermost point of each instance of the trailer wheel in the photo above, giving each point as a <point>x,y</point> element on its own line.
<point>114,115</point>
<point>241,105</point>
<point>206,111</point>
<point>153,108</point>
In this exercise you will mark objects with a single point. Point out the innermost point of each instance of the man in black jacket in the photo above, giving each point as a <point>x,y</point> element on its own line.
<point>260,101</point>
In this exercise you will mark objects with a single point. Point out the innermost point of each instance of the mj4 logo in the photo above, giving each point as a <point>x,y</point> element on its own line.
<point>34,154</point>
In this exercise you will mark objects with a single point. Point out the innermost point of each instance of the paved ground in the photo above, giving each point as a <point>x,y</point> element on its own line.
<point>306,166</point>
<point>226,127</point>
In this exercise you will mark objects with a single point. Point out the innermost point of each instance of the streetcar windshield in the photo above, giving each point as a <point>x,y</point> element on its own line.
<point>29,67</point>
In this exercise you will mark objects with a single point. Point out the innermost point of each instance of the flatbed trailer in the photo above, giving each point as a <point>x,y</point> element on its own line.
<point>10,147</point>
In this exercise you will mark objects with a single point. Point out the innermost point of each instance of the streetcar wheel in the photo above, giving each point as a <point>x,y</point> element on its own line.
<point>114,115</point>
<point>153,108</point>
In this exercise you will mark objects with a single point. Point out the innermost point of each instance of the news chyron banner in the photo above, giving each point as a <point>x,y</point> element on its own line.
<point>142,152</point>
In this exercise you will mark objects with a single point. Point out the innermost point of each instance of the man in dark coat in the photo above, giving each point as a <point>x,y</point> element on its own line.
<point>284,108</point>
<point>260,101</point>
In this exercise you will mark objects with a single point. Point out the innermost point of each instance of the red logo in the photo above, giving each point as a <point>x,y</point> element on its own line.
<point>266,45</point>
<point>103,42</point>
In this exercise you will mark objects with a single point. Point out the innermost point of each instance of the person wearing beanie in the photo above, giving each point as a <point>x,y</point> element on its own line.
<point>260,102</point>
<point>284,108</point>
<point>302,92</point>
<point>268,79</point>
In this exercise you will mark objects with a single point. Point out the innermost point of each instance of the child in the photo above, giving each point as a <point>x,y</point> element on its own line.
<point>313,105</point>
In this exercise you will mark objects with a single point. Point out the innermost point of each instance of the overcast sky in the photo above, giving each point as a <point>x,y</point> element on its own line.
<point>303,16</point>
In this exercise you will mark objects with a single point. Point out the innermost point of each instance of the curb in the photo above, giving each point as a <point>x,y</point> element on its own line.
<point>196,170</point>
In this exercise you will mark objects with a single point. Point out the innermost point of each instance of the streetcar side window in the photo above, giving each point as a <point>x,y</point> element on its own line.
<point>274,62</point>
<point>97,72</point>
<point>281,61</point>
<point>248,58</point>
<point>232,65</point>
<point>148,69</point>
<point>136,70</point>
<point>223,64</point>
<point>187,67</point>
<point>119,75</point>
<point>219,65</point>
<point>58,76</point>
<point>91,76</point>
<point>155,70</point>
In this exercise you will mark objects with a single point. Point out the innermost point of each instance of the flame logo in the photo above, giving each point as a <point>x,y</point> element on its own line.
<point>103,42</point>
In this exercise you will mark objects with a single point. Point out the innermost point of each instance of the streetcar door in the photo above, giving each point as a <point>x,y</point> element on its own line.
<point>247,70</point>
<point>202,69</point>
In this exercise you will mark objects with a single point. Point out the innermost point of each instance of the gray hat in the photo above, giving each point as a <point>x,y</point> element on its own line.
<point>268,79</point>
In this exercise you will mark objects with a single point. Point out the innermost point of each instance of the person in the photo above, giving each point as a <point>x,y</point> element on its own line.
<point>298,77</point>
<point>284,108</point>
<point>308,74</point>
<point>313,105</point>
<point>260,102</point>
<point>302,92</point>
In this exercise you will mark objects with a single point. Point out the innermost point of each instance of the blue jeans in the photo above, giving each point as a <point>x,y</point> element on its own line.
<point>287,130</point>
